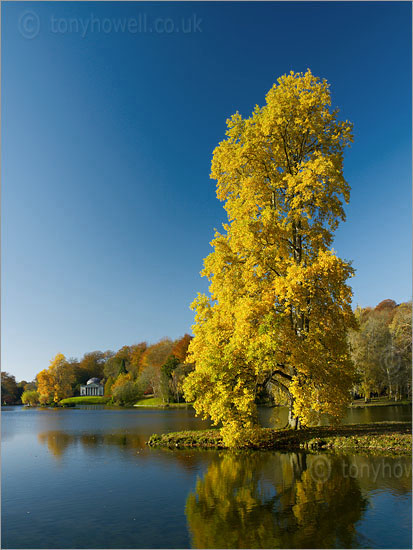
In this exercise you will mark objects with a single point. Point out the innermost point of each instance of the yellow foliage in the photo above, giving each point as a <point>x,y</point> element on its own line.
<point>120,381</point>
<point>55,382</point>
<point>279,305</point>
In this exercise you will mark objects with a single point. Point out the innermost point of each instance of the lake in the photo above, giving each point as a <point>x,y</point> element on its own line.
<point>83,478</point>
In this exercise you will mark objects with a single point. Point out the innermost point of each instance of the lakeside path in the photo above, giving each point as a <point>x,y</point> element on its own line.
<point>380,437</point>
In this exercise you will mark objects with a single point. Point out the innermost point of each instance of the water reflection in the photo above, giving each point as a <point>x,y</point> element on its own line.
<point>276,500</point>
<point>85,479</point>
<point>58,442</point>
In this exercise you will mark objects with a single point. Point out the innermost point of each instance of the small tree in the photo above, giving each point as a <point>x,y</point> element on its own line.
<point>126,391</point>
<point>108,386</point>
<point>30,397</point>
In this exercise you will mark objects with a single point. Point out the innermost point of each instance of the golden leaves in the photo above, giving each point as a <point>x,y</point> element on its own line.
<point>279,299</point>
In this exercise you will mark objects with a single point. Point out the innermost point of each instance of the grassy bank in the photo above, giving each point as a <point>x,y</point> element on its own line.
<point>157,403</point>
<point>394,437</point>
<point>379,402</point>
<point>84,400</point>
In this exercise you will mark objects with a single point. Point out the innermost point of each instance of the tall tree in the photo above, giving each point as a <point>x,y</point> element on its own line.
<point>9,389</point>
<point>55,383</point>
<point>279,306</point>
<point>135,357</point>
<point>156,354</point>
<point>180,348</point>
<point>381,349</point>
<point>128,358</point>
<point>91,365</point>
<point>401,333</point>
<point>369,345</point>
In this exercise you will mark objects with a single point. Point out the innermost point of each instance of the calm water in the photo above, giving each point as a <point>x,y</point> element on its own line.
<point>82,478</point>
<point>277,417</point>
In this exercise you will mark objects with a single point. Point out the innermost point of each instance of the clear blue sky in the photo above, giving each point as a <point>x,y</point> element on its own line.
<point>108,208</point>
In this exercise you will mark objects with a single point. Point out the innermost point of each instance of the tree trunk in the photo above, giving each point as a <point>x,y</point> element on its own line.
<point>294,422</point>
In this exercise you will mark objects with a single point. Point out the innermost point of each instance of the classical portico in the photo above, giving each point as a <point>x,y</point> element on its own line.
<point>92,387</point>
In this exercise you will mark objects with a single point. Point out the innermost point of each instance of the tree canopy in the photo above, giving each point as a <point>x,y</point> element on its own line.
<point>279,306</point>
<point>381,349</point>
<point>55,382</point>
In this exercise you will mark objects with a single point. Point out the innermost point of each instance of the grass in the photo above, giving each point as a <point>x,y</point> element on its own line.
<point>157,403</point>
<point>381,437</point>
<point>85,400</point>
<point>150,402</point>
<point>379,402</point>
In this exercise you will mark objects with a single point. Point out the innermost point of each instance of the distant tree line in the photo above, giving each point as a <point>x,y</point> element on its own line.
<point>127,375</point>
<point>381,350</point>
<point>12,391</point>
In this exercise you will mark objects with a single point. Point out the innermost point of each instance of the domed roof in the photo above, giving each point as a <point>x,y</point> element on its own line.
<point>93,381</point>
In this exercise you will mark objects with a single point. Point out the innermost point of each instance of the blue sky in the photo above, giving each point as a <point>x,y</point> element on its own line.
<point>108,132</point>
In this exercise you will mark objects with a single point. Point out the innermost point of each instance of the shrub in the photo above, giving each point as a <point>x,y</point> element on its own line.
<point>126,393</point>
<point>30,397</point>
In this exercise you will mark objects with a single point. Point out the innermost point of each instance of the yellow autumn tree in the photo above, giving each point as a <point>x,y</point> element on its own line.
<point>262,500</point>
<point>55,382</point>
<point>279,306</point>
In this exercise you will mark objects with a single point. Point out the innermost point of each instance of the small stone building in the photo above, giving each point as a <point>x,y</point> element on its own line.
<point>92,387</point>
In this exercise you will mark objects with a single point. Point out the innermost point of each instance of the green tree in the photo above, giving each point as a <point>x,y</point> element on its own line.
<point>122,367</point>
<point>9,389</point>
<point>108,386</point>
<point>152,373</point>
<point>381,349</point>
<point>30,397</point>
<point>368,348</point>
<point>177,379</point>
<point>170,365</point>
<point>91,365</point>
<point>125,390</point>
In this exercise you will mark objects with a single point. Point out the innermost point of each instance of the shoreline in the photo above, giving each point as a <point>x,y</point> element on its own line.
<point>153,404</point>
<point>393,437</point>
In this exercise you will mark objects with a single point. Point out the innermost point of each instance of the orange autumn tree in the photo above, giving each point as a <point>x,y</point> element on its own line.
<point>55,382</point>
<point>180,348</point>
<point>279,306</point>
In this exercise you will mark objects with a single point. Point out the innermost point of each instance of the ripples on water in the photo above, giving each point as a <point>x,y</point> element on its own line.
<point>84,479</point>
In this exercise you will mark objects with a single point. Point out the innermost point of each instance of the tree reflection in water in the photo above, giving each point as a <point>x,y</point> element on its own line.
<point>274,500</point>
<point>262,499</point>
<point>58,442</point>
